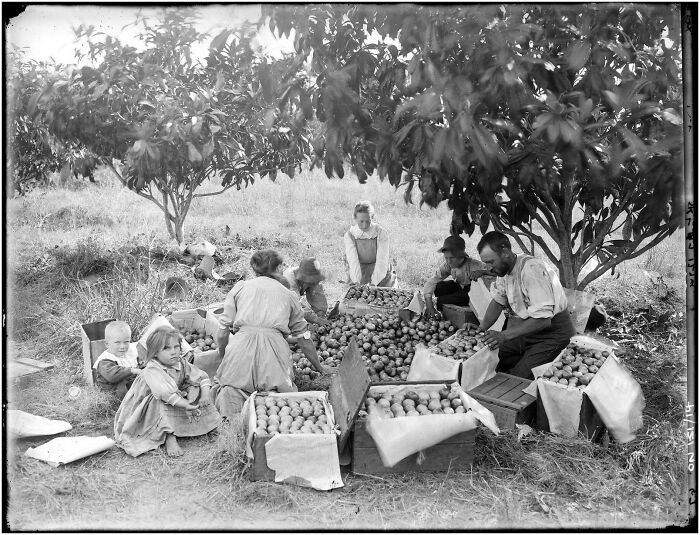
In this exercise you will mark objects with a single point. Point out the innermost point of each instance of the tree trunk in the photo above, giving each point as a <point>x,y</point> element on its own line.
<point>179,230</point>
<point>567,276</point>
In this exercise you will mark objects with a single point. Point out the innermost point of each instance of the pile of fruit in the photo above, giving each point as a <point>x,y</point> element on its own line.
<point>199,340</point>
<point>462,345</point>
<point>577,367</point>
<point>276,415</point>
<point>386,344</point>
<point>380,297</point>
<point>412,403</point>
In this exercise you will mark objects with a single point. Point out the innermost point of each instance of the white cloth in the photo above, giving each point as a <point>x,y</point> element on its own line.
<point>531,290</point>
<point>129,360</point>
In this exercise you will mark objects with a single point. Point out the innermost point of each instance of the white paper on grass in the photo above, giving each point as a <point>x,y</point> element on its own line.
<point>397,438</point>
<point>65,450</point>
<point>479,368</point>
<point>305,460</point>
<point>427,366</point>
<point>618,399</point>
<point>22,424</point>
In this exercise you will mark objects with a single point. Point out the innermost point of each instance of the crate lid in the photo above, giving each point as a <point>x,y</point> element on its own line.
<point>348,390</point>
<point>504,390</point>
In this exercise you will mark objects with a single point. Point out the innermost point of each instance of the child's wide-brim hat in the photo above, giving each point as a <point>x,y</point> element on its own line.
<point>310,271</point>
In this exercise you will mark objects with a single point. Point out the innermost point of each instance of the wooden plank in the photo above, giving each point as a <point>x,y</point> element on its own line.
<point>438,458</point>
<point>259,470</point>
<point>485,389</point>
<point>362,439</point>
<point>506,386</point>
<point>32,362</point>
<point>17,369</point>
<point>348,391</point>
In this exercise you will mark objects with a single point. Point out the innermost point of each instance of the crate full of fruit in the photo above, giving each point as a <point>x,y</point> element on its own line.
<point>421,426</point>
<point>361,300</point>
<point>587,375</point>
<point>282,429</point>
<point>461,345</point>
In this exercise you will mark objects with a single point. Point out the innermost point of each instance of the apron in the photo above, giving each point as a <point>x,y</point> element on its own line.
<point>367,255</point>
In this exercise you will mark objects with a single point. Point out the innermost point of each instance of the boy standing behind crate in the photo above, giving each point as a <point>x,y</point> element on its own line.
<point>117,366</point>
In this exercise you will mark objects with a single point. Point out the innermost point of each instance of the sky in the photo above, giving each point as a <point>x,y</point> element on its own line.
<point>47,30</point>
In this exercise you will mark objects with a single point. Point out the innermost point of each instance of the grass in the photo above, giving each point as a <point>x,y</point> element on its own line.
<point>95,251</point>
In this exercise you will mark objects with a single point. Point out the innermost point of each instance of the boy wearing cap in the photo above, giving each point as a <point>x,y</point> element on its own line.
<point>305,281</point>
<point>461,267</point>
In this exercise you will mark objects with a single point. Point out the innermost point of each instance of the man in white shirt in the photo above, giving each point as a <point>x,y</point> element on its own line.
<point>528,291</point>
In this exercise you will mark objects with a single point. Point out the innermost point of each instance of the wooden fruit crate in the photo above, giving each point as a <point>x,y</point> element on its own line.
<point>590,424</point>
<point>93,337</point>
<point>454,453</point>
<point>458,315</point>
<point>503,395</point>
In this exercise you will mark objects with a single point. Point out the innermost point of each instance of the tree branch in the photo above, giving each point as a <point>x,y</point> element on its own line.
<point>213,192</point>
<point>614,261</point>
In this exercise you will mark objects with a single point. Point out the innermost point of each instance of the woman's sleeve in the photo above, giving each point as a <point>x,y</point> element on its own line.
<point>161,386</point>
<point>355,271</point>
<point>381,265</point>
<point>228,316</point>
<point>297,324</point>
<point>197,376</point>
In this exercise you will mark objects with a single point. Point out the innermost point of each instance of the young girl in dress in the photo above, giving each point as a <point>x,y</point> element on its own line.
<point>157,408</point>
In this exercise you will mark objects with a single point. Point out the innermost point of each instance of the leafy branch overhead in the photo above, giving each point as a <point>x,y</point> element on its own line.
<point>562,117</point>
<point>175,121</point>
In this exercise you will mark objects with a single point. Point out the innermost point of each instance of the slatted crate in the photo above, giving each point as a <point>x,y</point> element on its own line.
<point>503,395</point>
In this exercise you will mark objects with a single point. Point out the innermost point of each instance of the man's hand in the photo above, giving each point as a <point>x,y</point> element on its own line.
<point>478,273</point>
<point>135,371</point>
<point>494,339</point>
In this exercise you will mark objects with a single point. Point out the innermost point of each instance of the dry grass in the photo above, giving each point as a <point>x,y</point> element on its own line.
<point>118,241</point>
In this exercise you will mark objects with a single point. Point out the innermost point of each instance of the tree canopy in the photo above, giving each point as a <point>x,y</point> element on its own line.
<point>562,116</point>
<point>173,120</point>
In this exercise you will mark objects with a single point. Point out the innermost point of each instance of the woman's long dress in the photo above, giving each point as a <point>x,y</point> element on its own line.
<point>367,256</point>
<point>146,415</point>
<point>260,312</point>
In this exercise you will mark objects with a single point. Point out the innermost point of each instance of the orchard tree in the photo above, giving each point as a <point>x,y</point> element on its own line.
<point>559,125</point>
<point>34,153</point>
<point>175,121</point>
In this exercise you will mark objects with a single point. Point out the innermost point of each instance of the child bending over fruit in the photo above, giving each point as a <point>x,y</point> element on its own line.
<point>118,365</point>
<point>169,399</point>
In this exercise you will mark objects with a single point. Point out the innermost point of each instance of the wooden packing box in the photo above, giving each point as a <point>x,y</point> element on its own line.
<point>356,308</point>
<point>93,337</point>
<point>258,470</point>
<point>458,315</point>
<point>454,453</point>
<point>503,395</point>
<point>345,396</point>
